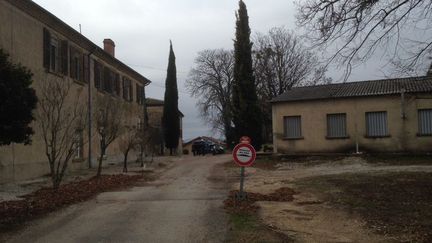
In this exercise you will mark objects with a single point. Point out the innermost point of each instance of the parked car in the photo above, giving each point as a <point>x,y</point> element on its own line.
<point>217,149</point>
<point>201,148</point>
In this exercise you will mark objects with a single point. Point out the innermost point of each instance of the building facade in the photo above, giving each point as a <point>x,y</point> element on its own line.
<point>391,115</point>
<point>155,112</point>
<point>52,50</point>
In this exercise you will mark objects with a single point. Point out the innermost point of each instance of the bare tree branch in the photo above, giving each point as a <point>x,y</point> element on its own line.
<point>353,30</point>
<point>60,116</point>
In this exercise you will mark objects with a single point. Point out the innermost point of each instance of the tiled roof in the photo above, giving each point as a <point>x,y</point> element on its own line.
<point>358,89</point>
<point>154,102</point>
<point>53,22</point>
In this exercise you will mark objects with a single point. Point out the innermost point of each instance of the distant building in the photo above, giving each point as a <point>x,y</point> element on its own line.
<point>155,113</point>
<point>53,50</point>
<point>389,115</point>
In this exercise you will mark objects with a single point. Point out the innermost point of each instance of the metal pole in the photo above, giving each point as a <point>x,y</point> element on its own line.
<point>242,175</point>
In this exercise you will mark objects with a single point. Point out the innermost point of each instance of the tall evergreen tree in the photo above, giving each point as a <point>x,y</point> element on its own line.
<point>171,118</point>
<point>17,101</point>
<point>247,114</point>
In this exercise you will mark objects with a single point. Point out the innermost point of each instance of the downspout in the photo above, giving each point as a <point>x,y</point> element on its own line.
<point>403,114</point>
<point>403,118</point>
<point>89,112</point>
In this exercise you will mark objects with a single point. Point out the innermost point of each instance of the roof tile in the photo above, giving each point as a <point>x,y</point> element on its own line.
<point>357,89</point>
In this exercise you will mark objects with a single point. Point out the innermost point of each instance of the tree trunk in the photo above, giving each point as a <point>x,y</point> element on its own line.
<point>125,170</point>
<point>99,171</point>
<point>56,184</point>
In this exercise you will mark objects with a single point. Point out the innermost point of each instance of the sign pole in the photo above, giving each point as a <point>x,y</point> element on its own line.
<point>244,155</point>
<point>242,175</point>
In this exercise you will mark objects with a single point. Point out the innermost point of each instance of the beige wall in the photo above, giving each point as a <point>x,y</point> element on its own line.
<point>403,132</point>
<point>22,37</point>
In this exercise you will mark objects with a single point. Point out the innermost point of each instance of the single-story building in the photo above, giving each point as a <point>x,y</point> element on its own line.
<point>389,115</point>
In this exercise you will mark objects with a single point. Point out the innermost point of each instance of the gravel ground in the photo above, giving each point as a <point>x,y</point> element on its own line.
<point>183,205</point>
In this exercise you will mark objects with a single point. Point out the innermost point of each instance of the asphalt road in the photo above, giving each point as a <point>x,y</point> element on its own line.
<point>183,205</point>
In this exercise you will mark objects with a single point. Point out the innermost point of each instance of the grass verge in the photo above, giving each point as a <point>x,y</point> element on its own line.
<point>398,205</point>
<point>244,221</point>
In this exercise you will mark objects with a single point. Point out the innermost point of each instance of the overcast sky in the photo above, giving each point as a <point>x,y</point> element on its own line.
<point>141,30</point>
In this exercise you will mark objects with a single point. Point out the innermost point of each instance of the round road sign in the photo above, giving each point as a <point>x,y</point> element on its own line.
<point>244,154</point>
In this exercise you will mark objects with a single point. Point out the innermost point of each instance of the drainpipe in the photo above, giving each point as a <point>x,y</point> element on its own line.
<point>403,115</point>
<point>89,105</point>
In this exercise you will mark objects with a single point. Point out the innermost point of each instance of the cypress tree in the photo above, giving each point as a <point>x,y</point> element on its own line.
<point>170,118</point>
<point>17,101</point>
<point>247,114</point>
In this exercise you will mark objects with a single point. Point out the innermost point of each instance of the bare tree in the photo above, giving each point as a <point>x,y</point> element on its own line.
<point>353,30</point>
<point>281,62</point>
<point>128,141</point>
<point>211,82</point>
<point>107,119</point>
<point>149,142</point>
<point>60,116</point>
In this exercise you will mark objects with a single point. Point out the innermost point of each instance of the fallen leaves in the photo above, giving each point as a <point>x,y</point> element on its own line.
<point>46,200</point>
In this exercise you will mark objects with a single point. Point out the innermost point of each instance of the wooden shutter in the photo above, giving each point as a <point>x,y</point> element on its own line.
<point>125,96</point>
<point>117,84</point>
<point>73,64</point>
<point>46,48</point>
<point>96,73</point>
<point>130,91</point>
<point>64,50</point>
<point>86,68</point>
<point>106,80</point>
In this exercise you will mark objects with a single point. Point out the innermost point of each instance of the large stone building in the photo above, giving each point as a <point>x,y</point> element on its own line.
<point>155,113</point>
<point>391,115</point>
<point>53,50</point>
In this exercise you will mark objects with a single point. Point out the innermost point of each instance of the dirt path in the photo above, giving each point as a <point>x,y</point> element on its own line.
<point>182,206</point>
<point>308,218</point>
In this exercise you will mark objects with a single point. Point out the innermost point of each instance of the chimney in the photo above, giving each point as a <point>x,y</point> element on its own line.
<point>109,47</point>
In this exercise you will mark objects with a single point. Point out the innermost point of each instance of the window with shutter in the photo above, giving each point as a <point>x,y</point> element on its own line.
<point>64,57</point>
<point>376,124</point>
<point>138,96</point>
<point>292,127</point>
<point>117,84</point>
<point>336,126</point>
<point>86,68</point>
<point>97,75</point>
<point>54,55</point>
<point>107,81</point>
<point>46,48</point>
<point>79,144</point>
<point>425,122</point>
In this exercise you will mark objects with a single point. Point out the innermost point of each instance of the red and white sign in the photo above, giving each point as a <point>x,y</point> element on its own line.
<point>245,139</point>
<point>244,154</point>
